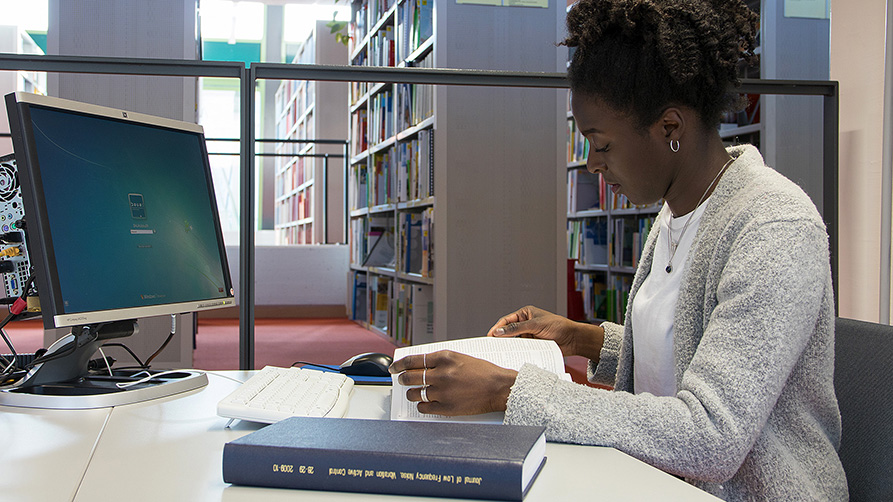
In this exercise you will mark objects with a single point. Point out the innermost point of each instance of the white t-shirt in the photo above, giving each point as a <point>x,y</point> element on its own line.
<point>655,306</point>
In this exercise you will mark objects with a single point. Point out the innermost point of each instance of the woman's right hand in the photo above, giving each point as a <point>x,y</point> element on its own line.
<point>574,339</point>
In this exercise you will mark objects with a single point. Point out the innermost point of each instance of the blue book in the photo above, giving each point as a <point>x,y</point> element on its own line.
<point>440,459</point>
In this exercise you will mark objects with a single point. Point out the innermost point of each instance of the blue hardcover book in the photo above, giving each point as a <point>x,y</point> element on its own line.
<point>440,459</point>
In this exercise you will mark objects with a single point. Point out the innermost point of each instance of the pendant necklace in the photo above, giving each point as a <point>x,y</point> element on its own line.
<point>673,245</point>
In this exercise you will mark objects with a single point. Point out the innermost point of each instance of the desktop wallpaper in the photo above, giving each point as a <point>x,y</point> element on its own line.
<point>130,214</point>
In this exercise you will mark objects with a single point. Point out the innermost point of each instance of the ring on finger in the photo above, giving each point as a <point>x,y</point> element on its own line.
<point>425,395</point>
<point>424,378</point>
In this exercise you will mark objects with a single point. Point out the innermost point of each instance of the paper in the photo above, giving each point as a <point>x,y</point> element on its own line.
<point>511,353</point>
<point>508,3</point>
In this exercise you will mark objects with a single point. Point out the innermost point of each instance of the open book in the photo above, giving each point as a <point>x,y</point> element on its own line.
<point>511,353</point>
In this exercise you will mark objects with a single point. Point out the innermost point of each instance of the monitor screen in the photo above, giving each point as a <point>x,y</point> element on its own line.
<point>121,216</point>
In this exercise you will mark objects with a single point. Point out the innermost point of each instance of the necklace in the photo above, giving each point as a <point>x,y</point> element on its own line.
<point>673,245</point>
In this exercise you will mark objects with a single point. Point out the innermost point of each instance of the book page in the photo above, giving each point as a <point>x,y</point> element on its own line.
<point>511,353</point>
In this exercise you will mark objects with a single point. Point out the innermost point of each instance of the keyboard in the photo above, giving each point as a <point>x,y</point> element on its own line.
<point>273,394</point>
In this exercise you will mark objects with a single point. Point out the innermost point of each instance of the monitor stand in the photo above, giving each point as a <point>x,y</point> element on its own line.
<point>60,379</point>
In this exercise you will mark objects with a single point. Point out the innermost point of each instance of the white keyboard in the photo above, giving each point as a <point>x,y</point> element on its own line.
<point>275,393</point>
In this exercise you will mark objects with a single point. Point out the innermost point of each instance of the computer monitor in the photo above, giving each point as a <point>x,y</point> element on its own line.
<point>121,223</point>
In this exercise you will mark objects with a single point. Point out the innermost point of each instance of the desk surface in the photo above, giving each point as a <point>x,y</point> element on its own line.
<point>171,449</point>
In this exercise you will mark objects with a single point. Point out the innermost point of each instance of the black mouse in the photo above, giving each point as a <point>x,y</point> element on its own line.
<point>368,364</point>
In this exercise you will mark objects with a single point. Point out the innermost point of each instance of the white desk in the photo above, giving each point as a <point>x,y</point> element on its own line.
<point>171,449</point>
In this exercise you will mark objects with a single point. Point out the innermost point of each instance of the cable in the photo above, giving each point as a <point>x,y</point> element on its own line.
<point>167,341</point>
<point>142,365</point>
<point>124,385</point>
<point>313,364</point>
<point>106,360</point>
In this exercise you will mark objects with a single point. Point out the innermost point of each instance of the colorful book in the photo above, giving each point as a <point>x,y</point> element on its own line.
<point>439,459</point>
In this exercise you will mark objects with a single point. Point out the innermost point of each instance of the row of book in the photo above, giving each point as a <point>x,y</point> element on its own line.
<point>295,234</point>
<point>379,249</point>
<point>415,242</point>
<point>603,298</point>
<point>381,187</point>
<point>359,132</point>
<point>300,127</point>
<point>293,98</point>
<point>402,173</point>
<point>415,22</point>
<point>381,50</point>
<point>586,191</point>
<point>628,240</point>
<point>589,242</point>
<point>415,102</point>
<point>382,116</point>
<point>294,175</point>
<point>295,207</point>
<point>407,246</point>
<point>359,180</point>
<point>577,145</point>
<point>415,167</point>
<point>404,311</point>
<point>359,228</point>
<point>417,16</point>
<point>589,192</point>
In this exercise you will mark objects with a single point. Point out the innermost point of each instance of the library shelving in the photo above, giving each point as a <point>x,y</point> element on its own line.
<point>309,110</point>
<point>451,195</point>
<point>605,237</point>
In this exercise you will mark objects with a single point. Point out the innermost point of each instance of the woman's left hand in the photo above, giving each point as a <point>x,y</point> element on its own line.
<point>454,383</point>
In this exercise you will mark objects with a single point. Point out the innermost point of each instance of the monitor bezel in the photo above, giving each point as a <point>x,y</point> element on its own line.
<point>41,250</point>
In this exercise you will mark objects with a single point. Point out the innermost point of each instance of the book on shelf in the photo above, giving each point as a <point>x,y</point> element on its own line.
<point>593,288</point>
<point>358,299</point>
<point>381,250</point>
<point>400,306</point>
<point>411,242</point>
<point>427,269</point>
<point>511,353</point>
<point>457,460</point>
<point>584,191</point>
<point>381,188</point>
<point>421,314</point>
<point>588,241</point>
<point>422,22</point>
<point>379,290</point>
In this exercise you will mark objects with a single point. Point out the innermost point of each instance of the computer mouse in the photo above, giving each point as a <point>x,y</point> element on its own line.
<point>368,364</point>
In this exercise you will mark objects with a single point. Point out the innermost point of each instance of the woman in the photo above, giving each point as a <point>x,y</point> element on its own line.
<point>723,370</point>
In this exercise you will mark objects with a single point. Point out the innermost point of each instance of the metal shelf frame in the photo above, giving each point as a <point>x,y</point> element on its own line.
<point>248,77</point>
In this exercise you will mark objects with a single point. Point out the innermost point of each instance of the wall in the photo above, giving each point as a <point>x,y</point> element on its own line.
<point>295,281</point>
<point>857,62</point>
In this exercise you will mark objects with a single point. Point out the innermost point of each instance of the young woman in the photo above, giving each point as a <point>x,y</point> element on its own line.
<point>723,370</point>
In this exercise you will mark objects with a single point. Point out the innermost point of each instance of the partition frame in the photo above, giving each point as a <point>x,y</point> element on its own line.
<point>248,77</point>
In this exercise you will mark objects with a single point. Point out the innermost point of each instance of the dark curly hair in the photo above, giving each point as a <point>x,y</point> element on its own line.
<point>640,56</point>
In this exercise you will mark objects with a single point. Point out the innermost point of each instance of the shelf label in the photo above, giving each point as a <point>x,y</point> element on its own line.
<point>810,9</point>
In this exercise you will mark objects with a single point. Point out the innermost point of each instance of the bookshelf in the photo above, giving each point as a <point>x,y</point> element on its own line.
<point>308,110</point>
<point>605,237</point>
<point>452,220</point>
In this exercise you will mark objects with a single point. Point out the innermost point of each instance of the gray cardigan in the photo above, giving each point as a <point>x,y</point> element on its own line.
<point>755,415</point>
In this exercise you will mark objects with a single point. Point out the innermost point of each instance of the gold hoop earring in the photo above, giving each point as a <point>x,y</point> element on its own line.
<point>676,147</point>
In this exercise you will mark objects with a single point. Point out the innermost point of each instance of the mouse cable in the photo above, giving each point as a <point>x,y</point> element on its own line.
<point>305,363</point>
<point>167,341</point>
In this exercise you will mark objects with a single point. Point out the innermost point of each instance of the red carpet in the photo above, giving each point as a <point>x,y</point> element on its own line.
<point>278,342</point>
<point>281,342</point>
